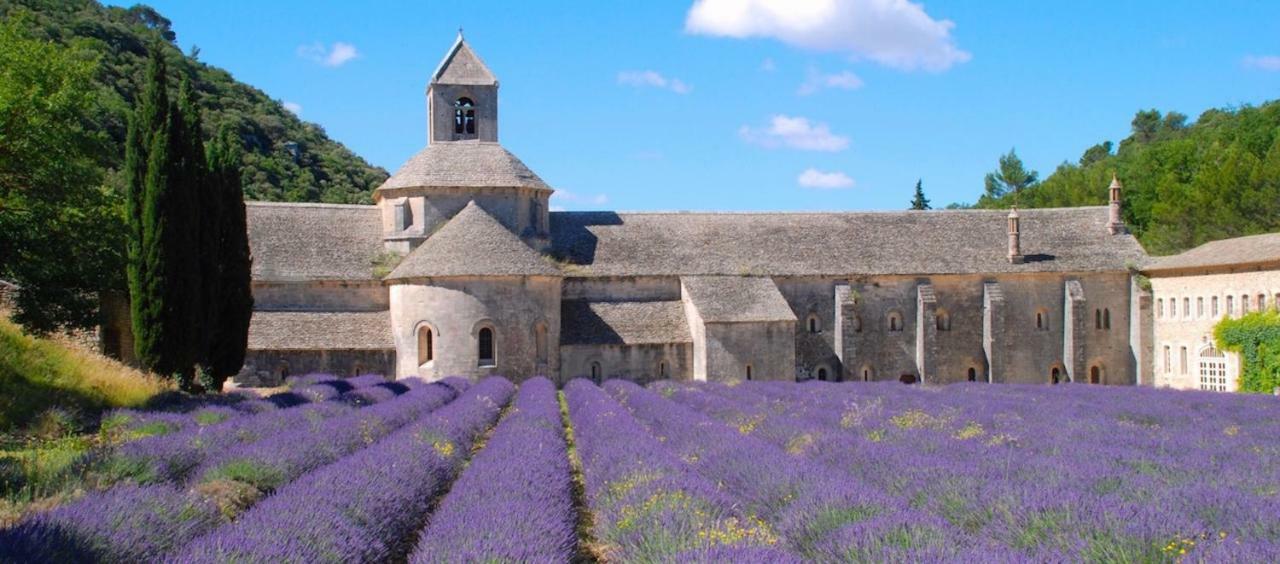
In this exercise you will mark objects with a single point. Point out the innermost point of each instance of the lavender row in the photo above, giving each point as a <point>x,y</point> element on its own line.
<point>274,460</point>
<point>366,506</point>
<point>1072,473</point>
<point>128,523</point>
<point>172,457</point>
<point>520,485</point>
<point>822,515</point>
<point>646,504</point>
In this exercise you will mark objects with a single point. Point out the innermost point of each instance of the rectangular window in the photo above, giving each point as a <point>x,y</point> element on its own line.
<point>1186,308</point>
<point>1200,308</point>
<point>1168,361</point>
<point>1160,308</point>
<point>1262,302</point>
<point>1182,361</point>
<point>1244,304</point>
<point>1231,305</point>
<point>1214,306</point>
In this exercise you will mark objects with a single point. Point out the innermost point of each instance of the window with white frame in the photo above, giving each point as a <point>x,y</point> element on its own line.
<point>1213,370</point>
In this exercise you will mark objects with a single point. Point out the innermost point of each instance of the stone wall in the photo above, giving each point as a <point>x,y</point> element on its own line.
<point>522,210</point>
<point>637,363</point>
<point>623,288</point>
<point>768,348</point>
<point>270,368</point>
<point>815,344</point>
<point>456,309</point>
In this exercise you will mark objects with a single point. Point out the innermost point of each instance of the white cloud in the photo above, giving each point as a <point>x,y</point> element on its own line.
<point>767,65</point>
<point>815,81</point>
<point>294,107</point>
<point>567,197</point>
<point>796,133</point>
<point>653,79</point>
<point>1263,62</point>
<point>337,55</point>
<point>818,180</point>
<point>894,33</point>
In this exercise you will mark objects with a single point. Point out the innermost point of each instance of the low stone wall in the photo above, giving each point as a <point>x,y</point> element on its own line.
<point>270,368</point>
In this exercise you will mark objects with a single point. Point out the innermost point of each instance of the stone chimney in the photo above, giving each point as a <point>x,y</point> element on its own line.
<point>1114,223</point>
<point>1015,237</point>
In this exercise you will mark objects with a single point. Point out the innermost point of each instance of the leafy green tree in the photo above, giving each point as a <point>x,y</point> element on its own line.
<point>59,227</point>
<point>1012,177</point>
<point>234,307</point>
<point>1096,153</point>
<point>1256,336</point>
<point>919,202</point>
<point>1146,125</point>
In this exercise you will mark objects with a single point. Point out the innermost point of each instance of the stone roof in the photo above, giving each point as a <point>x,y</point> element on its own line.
<point>736,299</point>
<point>319,330</point>
<point>307,242</point>
<point>473,243</point>
<point>1240,251</point>
<point>837,244</point>
<point>622,323</point>
<point>461,65</point>
<point>463,164</point>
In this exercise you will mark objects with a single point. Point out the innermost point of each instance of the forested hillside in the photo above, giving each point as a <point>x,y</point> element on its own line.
<point>285,158</point>
<point>1185,184</point>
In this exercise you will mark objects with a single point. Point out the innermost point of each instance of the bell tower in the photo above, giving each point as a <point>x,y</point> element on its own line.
<point>462,98</point>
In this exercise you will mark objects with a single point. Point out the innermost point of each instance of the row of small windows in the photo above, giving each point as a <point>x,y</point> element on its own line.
<point>942,321</point>
<point>1170,308</point>
<point>486,355</point>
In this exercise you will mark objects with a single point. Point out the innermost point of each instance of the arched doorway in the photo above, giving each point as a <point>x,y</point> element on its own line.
<point>1095,374</point>
<point>1055,376</point>
<point>973,374</point>
<point>822,374</point>
<point>908,379</point>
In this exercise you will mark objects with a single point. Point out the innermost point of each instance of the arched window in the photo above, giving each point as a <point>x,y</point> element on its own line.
<point>464,116</point>
<point>485,347</point>
<point>1095,375</point>
<point>895,321</point>
<point>748,371</point>
<point>1186,308</point>
<point>1231,305</point>
<point>1055,376</point>
<point>1213,370</point>
<point>282,370</point>
<point>1106,318</point>
<point>357,369</point>
<point>596,372</point>
<point>1097,319</point>
<point>1199,308</point>
<point>1213,306</point>
<point>1042,320</point>
<point>540,341</point>
<point>822,373</point>
<point>973,374</point>
<point>868,374</point>
<point>1182,360</point>
<point>1168,359</point>
<point>426,344</point>
<point>1244,304</point>
<point>815,326</point>
<point>1160,308</point>
<point>942,320</point>
<point>662,369</point>
<point>1262,302</point>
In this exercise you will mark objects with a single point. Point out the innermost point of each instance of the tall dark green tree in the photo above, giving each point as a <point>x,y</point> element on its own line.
<point>919,202</point>
<point>1011,178</point>
<point>149,120</point>
<point>165,274</point>
<point>234,307</point>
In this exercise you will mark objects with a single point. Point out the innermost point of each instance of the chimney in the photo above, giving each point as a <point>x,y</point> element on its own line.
<point>1015,237</point>
<point>1114,223</point>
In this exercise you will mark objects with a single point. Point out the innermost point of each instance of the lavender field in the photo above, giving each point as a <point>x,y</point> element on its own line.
<point>366,471</point>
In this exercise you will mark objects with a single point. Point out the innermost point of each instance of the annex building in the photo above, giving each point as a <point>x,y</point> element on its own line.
<point>460,268</point>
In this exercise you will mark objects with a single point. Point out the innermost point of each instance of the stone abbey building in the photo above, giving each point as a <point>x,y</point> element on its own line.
<point>460,268</point>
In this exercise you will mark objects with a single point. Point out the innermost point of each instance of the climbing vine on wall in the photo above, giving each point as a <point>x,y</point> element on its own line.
<point>1256,336</point>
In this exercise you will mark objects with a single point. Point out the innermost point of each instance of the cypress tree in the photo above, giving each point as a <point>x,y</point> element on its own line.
<point>230,334</point>
<point>919,202</point>
<point>203,196</point>
<point>150,118</point>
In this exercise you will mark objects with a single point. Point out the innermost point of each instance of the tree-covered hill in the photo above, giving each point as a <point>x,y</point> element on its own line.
<point>1185,184</point>
<point>285,158</point>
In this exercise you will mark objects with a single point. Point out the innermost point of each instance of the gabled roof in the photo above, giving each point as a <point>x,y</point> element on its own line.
<point>837,244</point>
<point>461,65</point>
<point>622,323</point>
<point>463,164</point>
<point>309,242</point>
<point>473,243</point>
<point>736,299</point>
<point>311,330</point>
<point>1254,250</point>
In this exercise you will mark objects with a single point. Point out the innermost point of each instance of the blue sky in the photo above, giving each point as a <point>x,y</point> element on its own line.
<point>753,104</point>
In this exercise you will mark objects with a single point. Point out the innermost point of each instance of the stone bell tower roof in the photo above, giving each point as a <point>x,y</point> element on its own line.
<point>461,65</point>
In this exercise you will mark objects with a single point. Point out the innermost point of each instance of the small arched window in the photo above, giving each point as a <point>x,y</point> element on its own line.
<point>426,344</point>
<point>895,321</point>
<point>1095,375</point>
<point>822,374</point>
<point>357,369</point>
<point>1160,308</point>
<point>868,373</point>
<point>1213,306</point>
<point>1106,318</point>
<point>748,371</point>
<point>1097,319</point>
<point>464,116</point>
<point>815,326</point>
<point>662,369</point>
<point>973,374</point>
<point>1042,320</point>
<point>1055,376</point>
<point>1244,304</point>
<point>943,321</point>
<point>1262,302</point>
<point>1231,305</point>
<point>596,372</point>
<point>485,347</point>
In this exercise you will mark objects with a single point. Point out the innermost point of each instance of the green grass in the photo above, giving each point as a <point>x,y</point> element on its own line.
<point>37,375</point>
